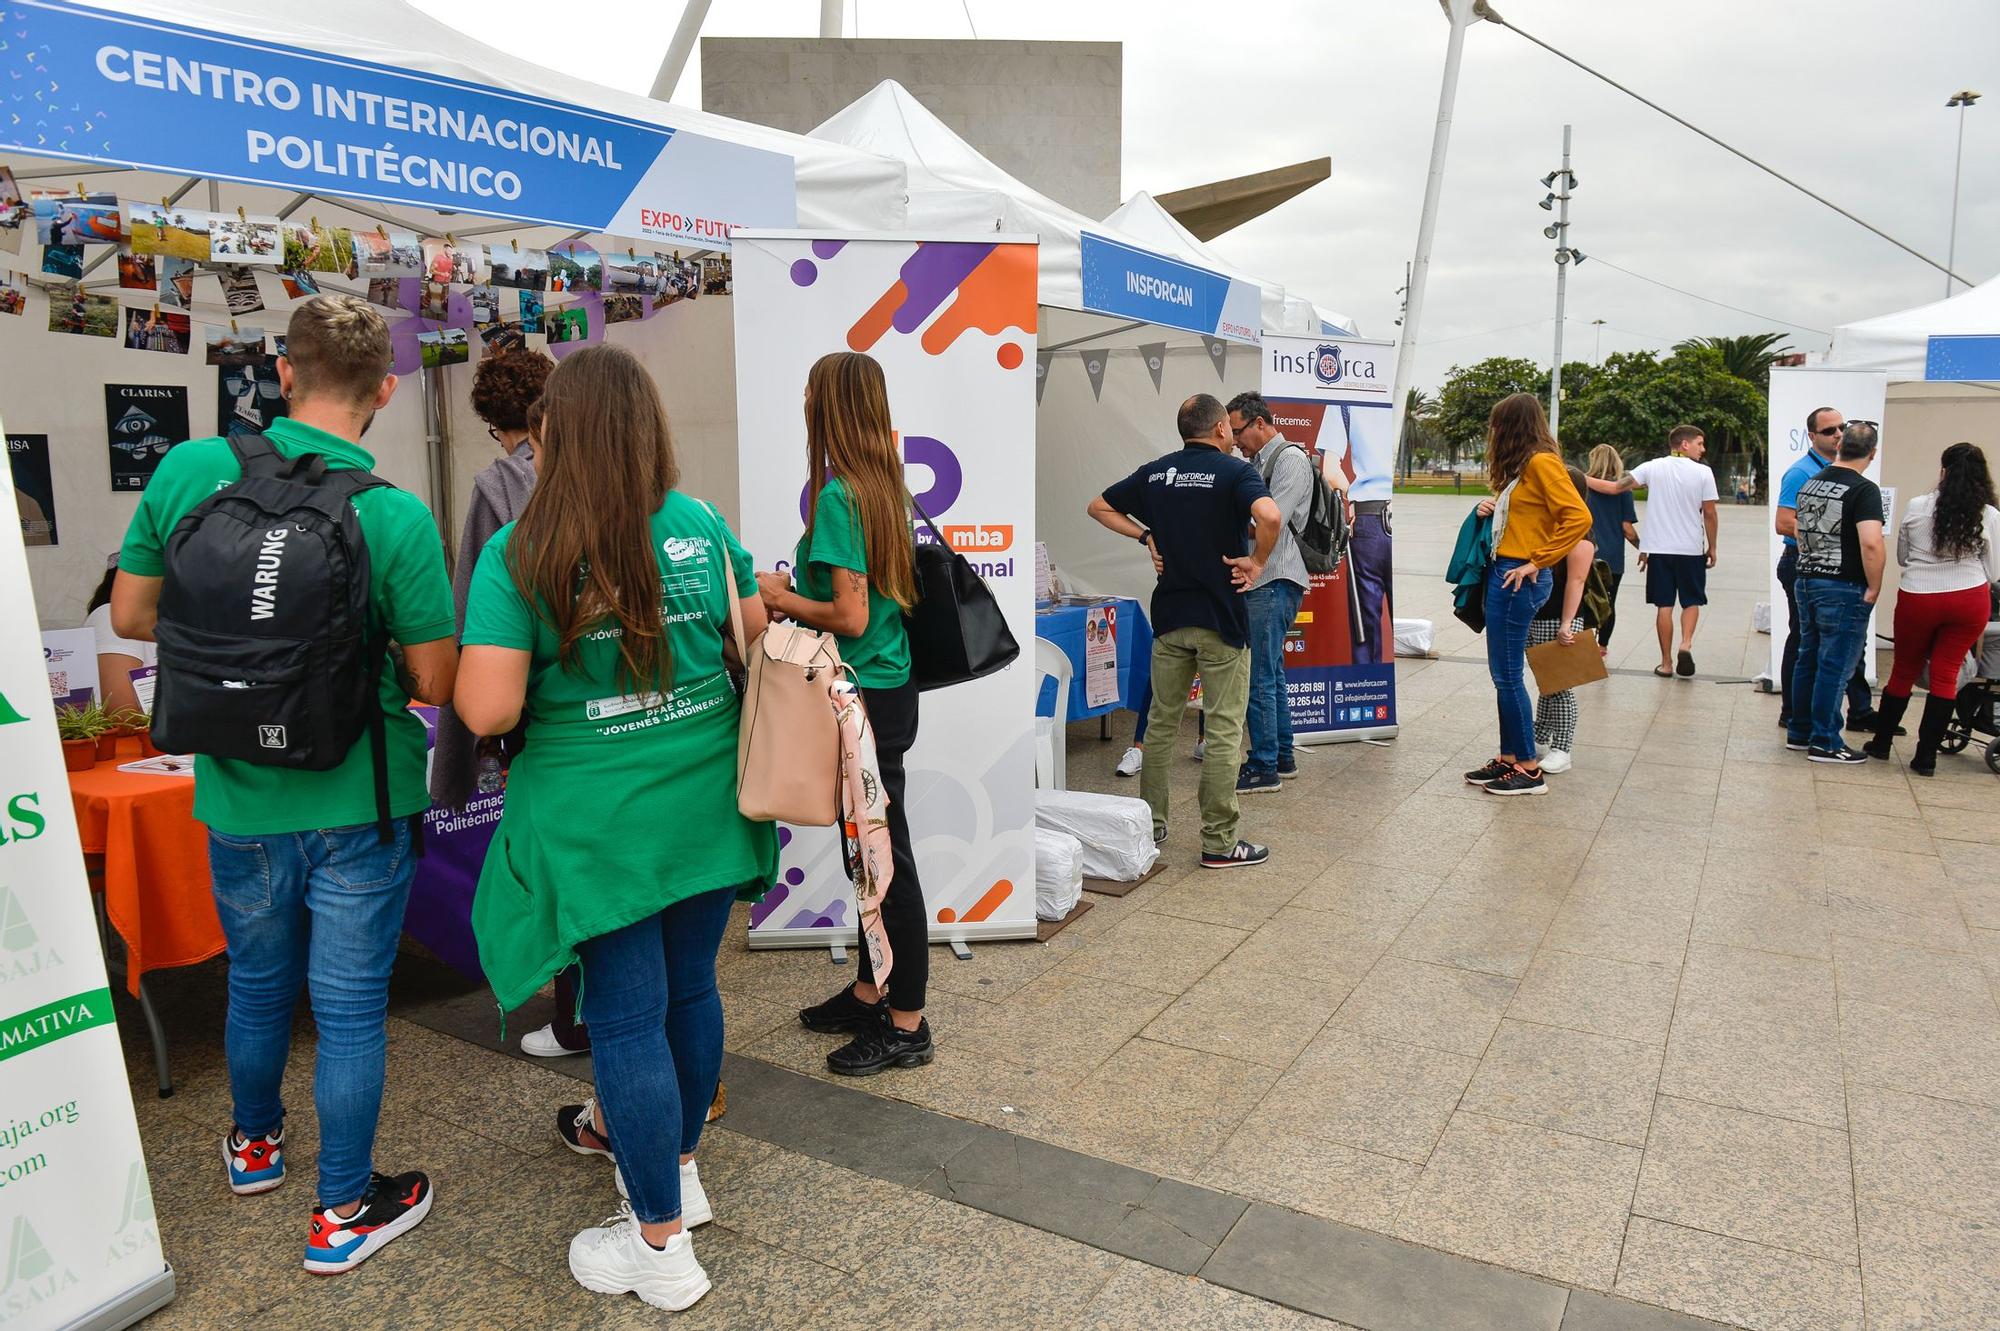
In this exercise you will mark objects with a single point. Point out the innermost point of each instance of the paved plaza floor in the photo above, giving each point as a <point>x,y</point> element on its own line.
<point>1706,1032</point>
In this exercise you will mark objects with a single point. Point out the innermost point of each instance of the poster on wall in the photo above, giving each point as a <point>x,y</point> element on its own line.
<point>1100,656</point>
<point>79,1243</point>
<point>248,397</point>
<point>34,487</point>
<point>142,422</point>
<point>1332,396</point>
<point>953,324</point>
<point>1796,392</point>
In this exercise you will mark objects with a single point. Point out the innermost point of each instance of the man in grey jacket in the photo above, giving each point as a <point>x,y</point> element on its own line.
<point>1274,601</point>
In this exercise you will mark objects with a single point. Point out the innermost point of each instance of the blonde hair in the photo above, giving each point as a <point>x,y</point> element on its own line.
<point>1606,463</point>
<point>338,345</point>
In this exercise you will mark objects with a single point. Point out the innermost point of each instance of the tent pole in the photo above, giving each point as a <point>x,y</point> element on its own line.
<point>832,16</point>
<point>437,447</point>
<point>1109,332</point>
<point>678,50</point>
<point>69,172</point>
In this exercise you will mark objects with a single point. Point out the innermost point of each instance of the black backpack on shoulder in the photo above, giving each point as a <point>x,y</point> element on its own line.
<point>266,654</point>
<point>1324,533</point>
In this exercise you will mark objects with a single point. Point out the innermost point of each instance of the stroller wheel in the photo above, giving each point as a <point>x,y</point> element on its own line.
<point>1955,739</point>
<point>1993,757</point>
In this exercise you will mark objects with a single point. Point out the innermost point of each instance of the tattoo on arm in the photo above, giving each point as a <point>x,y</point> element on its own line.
<point>856,582</point>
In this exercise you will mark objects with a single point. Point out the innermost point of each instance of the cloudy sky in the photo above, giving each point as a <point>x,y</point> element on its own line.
<point>1845,96</point>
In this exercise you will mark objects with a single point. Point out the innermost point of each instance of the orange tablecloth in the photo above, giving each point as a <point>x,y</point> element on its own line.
<point>156,886</point>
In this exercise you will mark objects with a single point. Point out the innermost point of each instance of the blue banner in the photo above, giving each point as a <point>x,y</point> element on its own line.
<point>1963,359</point>
<point>1139,284</point>
<point>103,87</point>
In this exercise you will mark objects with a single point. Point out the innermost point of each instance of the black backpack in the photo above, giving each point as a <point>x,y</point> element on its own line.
<point>1324,535</point>
<point>266,654</point>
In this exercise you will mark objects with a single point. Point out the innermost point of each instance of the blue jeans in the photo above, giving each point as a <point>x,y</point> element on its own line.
<point>325,908</point>
<point>1508,614</point>
<point>1272,608</point>
<point>656,1041</point>
<point>1833,627</point>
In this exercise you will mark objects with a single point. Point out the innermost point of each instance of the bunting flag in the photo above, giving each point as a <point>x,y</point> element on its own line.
<point>1093,365</point>
<point>1155,354</point>
<point>1218,354</point>
<point>1042,359</point>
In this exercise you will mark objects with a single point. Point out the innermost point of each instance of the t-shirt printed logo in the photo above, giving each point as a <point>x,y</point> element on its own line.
<point>685,582</point>
<point>1176,479</point>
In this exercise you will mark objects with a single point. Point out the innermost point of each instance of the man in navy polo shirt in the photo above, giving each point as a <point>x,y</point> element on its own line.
<point>1192,508</point>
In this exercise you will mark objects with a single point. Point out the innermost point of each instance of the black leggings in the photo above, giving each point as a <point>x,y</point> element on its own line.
<point>1611,616</point>
<point>893,713</point>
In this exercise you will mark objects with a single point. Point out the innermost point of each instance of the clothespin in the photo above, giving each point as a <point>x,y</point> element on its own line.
<point>79,189</point>
<point>232,325</point>
<point>516,240</point>
<point>382,230</point>
<point>241,216</point>
<point>315,224</point>
<point>451,240</point>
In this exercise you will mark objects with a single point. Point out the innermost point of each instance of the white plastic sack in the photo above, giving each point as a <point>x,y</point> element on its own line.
<point>1760,617</point>
<point>1058,873</point>
<point>1116,832</point>
<point>1415,637</point>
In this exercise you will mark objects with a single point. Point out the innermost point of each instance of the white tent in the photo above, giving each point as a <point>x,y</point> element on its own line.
<point>1900,342</point>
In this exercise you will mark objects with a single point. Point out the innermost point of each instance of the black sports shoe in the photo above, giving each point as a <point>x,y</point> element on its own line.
<point>573,1125</point>
<point>882,1047</point>
<point>1841,754</point>
<point>844,1014</point>
<point>1242,855</point>
<point>1288,766</point>
<point>1487,775</point>
<point>1520,781</point>
<point>1868,721</point>
<point>391,1206</point>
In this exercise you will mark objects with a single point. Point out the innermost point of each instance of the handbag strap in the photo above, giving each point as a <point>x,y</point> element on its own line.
<point>729,591</point>
<point>925,518</point>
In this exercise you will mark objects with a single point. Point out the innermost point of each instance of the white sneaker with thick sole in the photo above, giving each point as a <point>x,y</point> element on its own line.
<point>1556,760</point>
<point>695,1208</point>
<point>1134,759</point>
<point>543,1044</point>
<point>1200,750</point>
<point>614,1258</point>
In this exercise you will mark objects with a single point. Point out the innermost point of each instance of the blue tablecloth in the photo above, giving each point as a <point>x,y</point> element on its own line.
<point>1063,626</point>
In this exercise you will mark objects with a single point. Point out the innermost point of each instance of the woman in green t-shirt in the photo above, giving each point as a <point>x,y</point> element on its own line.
<point>856,577</point>
<point>600,615</point>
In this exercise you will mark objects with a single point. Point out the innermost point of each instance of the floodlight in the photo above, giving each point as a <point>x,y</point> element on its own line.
<point>1550,179</point>
<point>1549,231</point>
<point>1549,203</point>
<point>1578,255</point>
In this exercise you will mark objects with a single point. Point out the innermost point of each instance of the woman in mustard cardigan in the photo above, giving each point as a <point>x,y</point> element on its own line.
<point>1537,519</point>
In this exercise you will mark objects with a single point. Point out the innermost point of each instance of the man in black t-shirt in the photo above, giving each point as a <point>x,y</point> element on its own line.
<point>1840,563</point>
<point>1192,509</point>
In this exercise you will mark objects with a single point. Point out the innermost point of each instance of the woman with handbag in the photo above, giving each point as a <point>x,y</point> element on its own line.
<point>600,616</point>
<point>856,579</point>
<point>1537,521</point>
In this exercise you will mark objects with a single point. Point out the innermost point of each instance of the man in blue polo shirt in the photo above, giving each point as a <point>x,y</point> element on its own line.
<point>1192,508</point>
<point>1823,427</point>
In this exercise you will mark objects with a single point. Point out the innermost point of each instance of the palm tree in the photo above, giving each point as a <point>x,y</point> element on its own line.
<point>1417,426</point>
<point>1749,356</point>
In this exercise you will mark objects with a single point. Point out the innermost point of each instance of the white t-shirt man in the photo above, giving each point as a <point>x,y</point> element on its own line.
<point>1676,488</point>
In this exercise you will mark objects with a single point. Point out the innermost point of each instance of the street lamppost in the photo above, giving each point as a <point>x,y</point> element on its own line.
<point>1565,255</point>
<point>1962,102</point>
<point>1597,354</point>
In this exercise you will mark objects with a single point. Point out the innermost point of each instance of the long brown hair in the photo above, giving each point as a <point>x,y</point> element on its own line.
<point>1516,430</point>
<point>848,435</point>
<point>582,551</point>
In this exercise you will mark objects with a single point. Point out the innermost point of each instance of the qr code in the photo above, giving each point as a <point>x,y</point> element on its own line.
<point>58,683</point>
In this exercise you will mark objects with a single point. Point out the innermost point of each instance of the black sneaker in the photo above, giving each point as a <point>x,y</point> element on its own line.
<point>1240,856</point>
<point>392,1206</point>
<point>1868,721</point>
<point>1250,781</point>
<point>1519,781</point>
<point>882,1047</point>
<point>844,1014</point>
<point>1841,754</point>
<point>1796,745</point>
<point>573,1125</point>
<point>1288,767</point>
<point>1487,775</point>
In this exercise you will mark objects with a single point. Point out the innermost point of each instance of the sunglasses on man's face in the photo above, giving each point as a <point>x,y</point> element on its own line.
<point>1829,431</point>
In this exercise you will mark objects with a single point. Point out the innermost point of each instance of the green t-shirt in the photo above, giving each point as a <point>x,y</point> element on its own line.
<point>408,592</point>
<point>619,805</point>
<point>880,656</point>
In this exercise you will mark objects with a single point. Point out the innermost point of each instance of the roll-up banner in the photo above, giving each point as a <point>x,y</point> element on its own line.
<point>1796,391</point>
<point>79,1247</point>
<point>1331,395</point>
<point>104,87</point>
<point>952,321</point>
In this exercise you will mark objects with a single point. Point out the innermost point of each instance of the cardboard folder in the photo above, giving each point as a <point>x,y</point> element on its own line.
<point>1558,667</point>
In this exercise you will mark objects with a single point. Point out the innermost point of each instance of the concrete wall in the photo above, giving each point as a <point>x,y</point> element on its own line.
<point>1048,113</point>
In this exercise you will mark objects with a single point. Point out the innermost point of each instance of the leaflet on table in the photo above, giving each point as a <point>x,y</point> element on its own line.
<point>1100,656</point>
<point>70,657</point>
<point>162,764</point>
<point>163,96</point>
<point>144,680</point>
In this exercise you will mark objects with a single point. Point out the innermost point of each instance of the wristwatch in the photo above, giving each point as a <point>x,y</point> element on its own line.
<point>1145,535</point>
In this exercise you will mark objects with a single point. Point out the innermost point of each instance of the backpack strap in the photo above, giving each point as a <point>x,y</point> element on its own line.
<point>255,455</point>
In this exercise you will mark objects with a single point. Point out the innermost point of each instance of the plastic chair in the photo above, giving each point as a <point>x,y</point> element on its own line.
<point>1051,732</point>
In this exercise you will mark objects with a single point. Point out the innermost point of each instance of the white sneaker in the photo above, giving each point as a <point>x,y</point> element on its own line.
<point>1134,759</point>
<point>543,1044</point>
<point>695,1210</point>
<point>1200,750</point>
<point>1555,760</point>
<point>615,1259</point>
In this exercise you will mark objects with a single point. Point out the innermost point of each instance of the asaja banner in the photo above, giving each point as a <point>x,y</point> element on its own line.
<point>953,324</point>
<point>78,1240</point>
<point>1331,395</point>
<point>102,87</point>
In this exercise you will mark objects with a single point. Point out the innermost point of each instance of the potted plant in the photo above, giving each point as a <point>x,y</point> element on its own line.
<point>128,723</point>
<point>80,728</point>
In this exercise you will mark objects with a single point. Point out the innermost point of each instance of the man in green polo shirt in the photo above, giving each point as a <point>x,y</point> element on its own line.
<point>307,887</point>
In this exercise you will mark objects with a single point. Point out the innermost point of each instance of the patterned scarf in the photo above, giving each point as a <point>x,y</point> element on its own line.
<point>865,825</point>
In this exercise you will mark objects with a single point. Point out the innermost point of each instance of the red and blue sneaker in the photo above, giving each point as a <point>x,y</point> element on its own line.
<point>255,1164</point>
<point>392,1206</point>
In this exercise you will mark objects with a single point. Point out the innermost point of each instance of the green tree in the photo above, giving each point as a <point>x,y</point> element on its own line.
<point>1637,399</point>
<point>1419,428</point>
<point>1470,392</point>
<point>1749,356</point>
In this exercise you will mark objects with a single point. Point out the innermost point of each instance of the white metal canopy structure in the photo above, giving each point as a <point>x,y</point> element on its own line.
<point>1900,343</point>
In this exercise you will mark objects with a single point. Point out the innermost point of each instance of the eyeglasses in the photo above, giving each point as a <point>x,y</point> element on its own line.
<point>1828,430</point>
<point>494,433</point>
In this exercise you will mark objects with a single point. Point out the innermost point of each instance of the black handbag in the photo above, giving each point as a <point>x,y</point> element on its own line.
<point>956,629</point>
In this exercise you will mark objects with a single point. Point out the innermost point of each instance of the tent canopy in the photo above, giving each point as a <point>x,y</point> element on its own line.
<point>1901,343</point>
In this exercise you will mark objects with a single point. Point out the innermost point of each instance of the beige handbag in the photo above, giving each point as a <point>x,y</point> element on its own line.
<point>788,745</point>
